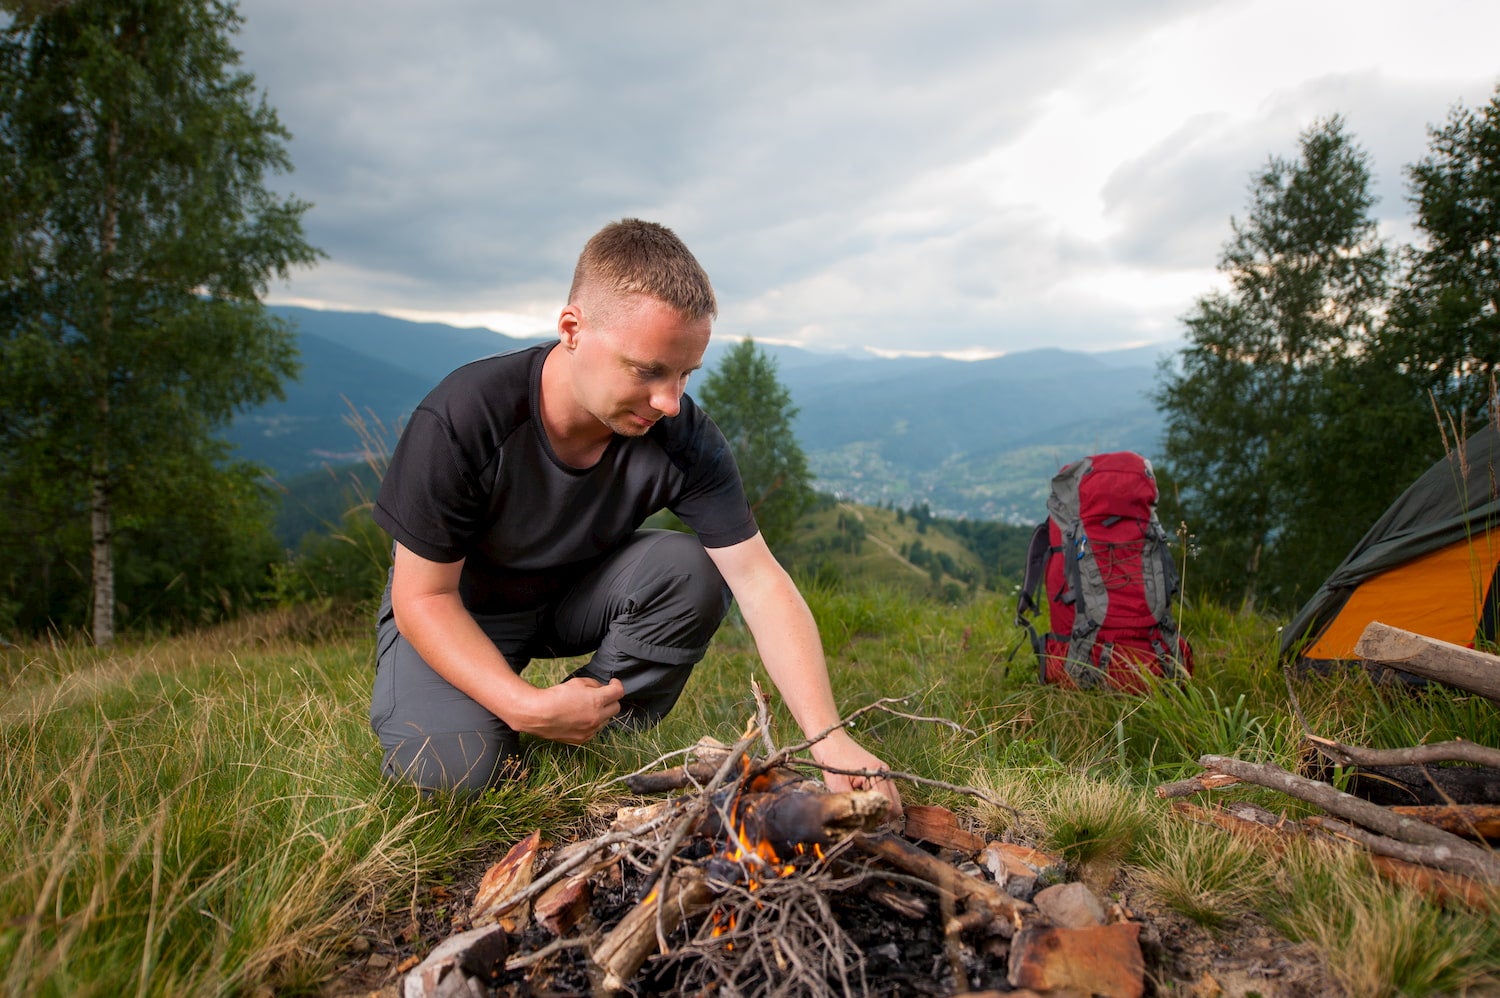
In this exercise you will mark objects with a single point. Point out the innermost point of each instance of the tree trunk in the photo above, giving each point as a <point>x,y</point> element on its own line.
<point>103,561</point>
<point>100,513</point>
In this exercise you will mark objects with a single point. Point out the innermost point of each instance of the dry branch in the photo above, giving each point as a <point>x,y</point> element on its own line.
<point>1457,750</point>
<point>1196,784</point>
<point>1005,910</point>
<point>1450,848</point>
<point>1438,857</point>
<point>1431,658</point>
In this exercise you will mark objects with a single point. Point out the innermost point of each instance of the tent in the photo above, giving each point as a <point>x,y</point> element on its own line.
<point>1430,564</point>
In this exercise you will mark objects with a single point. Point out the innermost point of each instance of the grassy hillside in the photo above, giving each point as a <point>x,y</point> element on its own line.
<point>920,555</point>
<point>203,815</point>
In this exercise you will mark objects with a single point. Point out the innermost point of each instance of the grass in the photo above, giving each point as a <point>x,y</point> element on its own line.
<point>203,815</point>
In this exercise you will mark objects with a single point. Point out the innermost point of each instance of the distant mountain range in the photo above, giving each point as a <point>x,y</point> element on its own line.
<point>975,439</point>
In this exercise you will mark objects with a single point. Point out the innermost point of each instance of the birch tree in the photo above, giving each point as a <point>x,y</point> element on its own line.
<point>137,236</point>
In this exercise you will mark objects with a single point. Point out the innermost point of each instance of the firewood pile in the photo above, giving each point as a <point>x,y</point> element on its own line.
<point>1429,814</point>
<point>751,878</point>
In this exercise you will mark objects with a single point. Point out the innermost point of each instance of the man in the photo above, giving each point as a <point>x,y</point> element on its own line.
<point>515,497</point>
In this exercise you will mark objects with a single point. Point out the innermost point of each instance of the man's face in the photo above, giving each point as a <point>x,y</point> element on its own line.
<point>632,362</point>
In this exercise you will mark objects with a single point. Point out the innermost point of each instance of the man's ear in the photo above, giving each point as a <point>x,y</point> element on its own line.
<point>569,323</point>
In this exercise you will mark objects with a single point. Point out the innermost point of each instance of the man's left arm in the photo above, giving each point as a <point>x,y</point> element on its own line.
<point>787,638</point>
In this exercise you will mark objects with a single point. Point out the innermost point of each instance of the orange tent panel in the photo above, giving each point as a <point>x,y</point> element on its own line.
<point>1454,580</point>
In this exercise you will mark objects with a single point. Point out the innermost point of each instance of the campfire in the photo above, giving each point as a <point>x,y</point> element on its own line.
<point>753,878</point>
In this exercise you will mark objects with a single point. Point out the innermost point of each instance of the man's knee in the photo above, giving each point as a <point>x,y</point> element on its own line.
<point>468,761</point>
<point>683,589</point>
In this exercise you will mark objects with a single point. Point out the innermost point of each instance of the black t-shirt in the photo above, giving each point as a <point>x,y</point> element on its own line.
<point>474,477</point>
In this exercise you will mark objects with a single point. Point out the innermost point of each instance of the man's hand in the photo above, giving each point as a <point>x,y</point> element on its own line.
<point>840,751</point>
<point>573,711</point>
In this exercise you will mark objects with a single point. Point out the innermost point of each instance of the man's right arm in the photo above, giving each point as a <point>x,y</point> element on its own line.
<point>430,614</point>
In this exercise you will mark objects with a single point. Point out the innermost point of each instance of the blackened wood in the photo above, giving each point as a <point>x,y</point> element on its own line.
<point>620,953</point>
<point>795,818</point>
<point>1426,785</point>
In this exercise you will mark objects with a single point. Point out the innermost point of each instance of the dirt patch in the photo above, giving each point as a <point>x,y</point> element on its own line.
<point>1245,959</point>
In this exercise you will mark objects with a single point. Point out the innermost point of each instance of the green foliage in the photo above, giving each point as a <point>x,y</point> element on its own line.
<point>136,235</point>
<point>347,566</point>
<point>1444,334</point>
<point>755,412</point>
<point>1248,410</point>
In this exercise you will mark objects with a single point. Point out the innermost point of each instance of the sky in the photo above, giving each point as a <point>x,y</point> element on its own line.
<point>964,177</point>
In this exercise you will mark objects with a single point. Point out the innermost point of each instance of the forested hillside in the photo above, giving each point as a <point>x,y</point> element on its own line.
<point>975,439</point>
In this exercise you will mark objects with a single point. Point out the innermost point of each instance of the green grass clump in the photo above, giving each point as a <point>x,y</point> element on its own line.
<point>210,825</point>
<point>1202,873</point>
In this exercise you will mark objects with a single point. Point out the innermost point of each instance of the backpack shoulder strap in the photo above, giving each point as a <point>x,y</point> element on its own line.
<point>1026,603</point>
<point>1036,567</point>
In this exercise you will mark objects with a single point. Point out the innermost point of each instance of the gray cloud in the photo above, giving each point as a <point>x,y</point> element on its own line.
<point>819,158</point>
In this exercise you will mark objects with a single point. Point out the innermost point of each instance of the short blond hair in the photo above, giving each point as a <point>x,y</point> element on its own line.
<point>636,257</point>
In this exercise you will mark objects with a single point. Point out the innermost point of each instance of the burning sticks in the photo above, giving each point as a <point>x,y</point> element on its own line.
<point>754,879</point>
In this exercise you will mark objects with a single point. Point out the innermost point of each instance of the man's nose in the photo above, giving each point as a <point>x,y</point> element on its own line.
<point>667,399</point>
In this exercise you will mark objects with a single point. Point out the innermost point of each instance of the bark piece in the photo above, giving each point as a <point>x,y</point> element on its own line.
<point>1439,885</point>
<point>939,826</point>
<point>1431,658</point>
<point>1105,960</point>
<point>562,906</point>
<point>1471,821</point>
<point>504,880</point>
<point>1017,869</point>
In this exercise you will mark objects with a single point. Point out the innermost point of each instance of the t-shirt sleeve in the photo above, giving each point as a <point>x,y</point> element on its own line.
<point>712,501</point>
<point>429,499</point>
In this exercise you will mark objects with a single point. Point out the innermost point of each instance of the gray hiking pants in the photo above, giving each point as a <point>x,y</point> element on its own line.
<point>647,612</point>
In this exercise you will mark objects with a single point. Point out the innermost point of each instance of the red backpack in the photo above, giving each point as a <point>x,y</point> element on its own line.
<point>1110,578</point>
